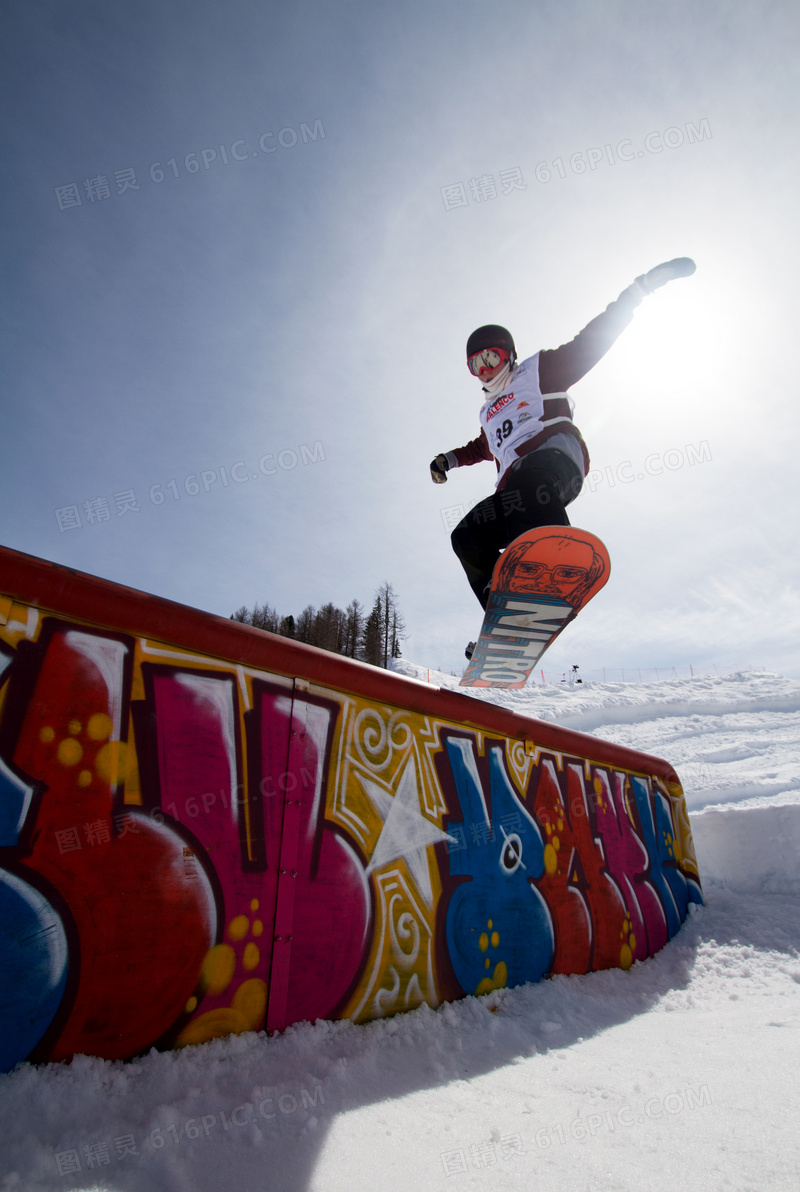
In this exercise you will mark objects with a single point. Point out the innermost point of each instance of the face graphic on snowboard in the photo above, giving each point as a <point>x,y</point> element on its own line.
<point>568,581</point>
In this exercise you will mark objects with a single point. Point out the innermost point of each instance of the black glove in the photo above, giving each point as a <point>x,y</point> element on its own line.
<point>655,278</point>
<point>439,467</point>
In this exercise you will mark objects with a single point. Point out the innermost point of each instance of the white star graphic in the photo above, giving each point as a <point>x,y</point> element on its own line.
<point>406,832</point>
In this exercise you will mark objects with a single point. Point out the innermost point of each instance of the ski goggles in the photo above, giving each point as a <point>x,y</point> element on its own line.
<point>488,358</point>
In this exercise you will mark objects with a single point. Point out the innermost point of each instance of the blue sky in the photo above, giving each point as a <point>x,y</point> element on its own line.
<point>236,361</point>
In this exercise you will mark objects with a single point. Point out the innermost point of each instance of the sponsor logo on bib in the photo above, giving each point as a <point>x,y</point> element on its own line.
<point>497,406</point>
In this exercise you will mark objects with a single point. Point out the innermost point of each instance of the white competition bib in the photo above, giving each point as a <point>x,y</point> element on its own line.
<point>516,414</point>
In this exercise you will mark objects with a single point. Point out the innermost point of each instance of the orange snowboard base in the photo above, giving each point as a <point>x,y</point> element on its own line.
<point>540,583</point>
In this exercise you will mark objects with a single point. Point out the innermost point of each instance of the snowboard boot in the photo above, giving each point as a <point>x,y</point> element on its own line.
<point>470,650</point>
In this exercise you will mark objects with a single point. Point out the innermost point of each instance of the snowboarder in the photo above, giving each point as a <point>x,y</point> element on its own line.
<point>527,428</point>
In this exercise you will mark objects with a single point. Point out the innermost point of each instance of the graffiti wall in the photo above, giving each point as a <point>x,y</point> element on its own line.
<point>195,842</point>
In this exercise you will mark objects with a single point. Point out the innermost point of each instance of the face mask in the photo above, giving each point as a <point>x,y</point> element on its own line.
<point>500,380</point>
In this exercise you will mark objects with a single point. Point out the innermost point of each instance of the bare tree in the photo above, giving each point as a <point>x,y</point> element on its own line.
<point>264,617</point>
<point>392,624</point>
<point>329,628</point>
<point>304,626</point>
<point>353,629</point>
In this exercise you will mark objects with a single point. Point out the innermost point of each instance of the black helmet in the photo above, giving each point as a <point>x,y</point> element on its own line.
<point>491,336</point>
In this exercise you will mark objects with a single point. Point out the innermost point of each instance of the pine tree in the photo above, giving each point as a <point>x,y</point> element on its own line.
<point>397,632</point>
<point>375,638</point>
<point>354,628</point>
<point>329,628</point>
<point>372,636</point>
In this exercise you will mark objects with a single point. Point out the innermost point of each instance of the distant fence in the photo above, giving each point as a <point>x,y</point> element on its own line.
<point>626,674</point>
<point>632,674</point>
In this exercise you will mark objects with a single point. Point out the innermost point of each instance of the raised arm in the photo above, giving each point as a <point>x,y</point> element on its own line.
<point>561,367</point>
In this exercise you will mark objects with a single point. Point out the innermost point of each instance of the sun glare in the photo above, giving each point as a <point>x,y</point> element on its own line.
<point>697,337</point>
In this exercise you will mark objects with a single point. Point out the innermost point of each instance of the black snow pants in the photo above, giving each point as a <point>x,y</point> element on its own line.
<point>538,489</point>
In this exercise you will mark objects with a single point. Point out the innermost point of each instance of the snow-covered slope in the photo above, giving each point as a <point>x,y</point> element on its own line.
<point>680,1073</point>
<point>730,739</point>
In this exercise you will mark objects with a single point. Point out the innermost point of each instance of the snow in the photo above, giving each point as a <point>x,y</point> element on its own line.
<point>681,1072</point>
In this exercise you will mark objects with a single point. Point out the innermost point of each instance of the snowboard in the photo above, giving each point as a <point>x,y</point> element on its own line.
<point>540,583</point>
